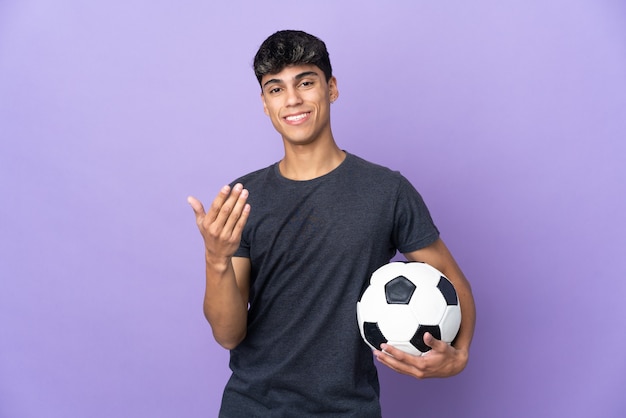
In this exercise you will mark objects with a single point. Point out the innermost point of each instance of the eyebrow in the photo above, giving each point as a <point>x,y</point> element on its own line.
<point>297,77</point>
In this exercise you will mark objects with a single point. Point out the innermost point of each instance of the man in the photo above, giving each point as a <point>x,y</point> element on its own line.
<point>288,256</point>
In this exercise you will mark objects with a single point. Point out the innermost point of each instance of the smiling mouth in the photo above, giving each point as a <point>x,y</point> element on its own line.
<point>297,118</point>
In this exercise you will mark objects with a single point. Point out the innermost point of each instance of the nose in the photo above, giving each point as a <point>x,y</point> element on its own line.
<point>293,97</point>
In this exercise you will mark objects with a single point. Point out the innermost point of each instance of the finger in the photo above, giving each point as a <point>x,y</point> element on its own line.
<point>399,361</point>
<point>230,209</point>
<point>399,356</point>
<point>243,217</point>
<point>238,216</point>
<point>196,205</point>
<point>434,343</point>
<point>392,351</point>
<point>218,203</point>
<point>241,222</point>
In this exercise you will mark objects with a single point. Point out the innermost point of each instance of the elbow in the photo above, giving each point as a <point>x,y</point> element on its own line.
<point>229,343</point>
<point>228,346</point>
<point>228,337</point>
<point>229,330</point>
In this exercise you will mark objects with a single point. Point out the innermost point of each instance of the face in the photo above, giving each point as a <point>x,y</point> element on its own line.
<point>297,100</point>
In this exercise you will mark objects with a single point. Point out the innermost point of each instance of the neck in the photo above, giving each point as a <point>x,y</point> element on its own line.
<point>306,162</point>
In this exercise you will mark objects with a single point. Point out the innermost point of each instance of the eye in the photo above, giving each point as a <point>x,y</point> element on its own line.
<point>274,90</point>
<point>307,83</point>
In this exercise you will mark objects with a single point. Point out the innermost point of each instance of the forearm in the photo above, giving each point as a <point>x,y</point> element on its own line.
<point>225,307</point>
<point>468,311</point>
<point>438,256</point>
<point>468,320</point>
<point>227,277</point>
<point>466,332</point>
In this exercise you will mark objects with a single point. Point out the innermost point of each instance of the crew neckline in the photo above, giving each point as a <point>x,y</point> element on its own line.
<point>279,175</point>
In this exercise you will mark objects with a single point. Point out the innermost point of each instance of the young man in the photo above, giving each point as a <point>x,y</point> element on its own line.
<point>288,256</point>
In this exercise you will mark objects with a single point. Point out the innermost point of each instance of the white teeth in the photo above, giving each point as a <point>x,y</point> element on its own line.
<point>296,117</point>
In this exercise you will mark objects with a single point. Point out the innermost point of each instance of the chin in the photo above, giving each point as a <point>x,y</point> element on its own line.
<point>300,139</point>
<point>298,142</point>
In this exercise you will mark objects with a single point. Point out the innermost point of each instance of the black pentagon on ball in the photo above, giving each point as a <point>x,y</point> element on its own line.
<point>399,290</point>
<point>447,290</point>
<point>418,338</point>
<point>373,334</point>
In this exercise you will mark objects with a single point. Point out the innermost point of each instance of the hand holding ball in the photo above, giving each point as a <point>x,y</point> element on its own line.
<point>403,302</point>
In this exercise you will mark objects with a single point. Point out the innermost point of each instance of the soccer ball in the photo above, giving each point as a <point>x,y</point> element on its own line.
<point>403,301</point>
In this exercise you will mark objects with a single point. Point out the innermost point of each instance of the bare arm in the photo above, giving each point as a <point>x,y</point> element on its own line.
<point>227,277</point>
<point>443,360</point>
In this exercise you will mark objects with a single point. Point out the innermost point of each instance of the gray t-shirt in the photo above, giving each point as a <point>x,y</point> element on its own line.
<point>313,246</point>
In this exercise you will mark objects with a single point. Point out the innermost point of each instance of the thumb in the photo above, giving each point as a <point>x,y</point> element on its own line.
<point>196,205</point>
<point>433,342</point>
<point>430,340</point>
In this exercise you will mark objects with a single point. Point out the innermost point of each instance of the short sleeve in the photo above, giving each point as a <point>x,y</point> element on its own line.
<point>413,226</point>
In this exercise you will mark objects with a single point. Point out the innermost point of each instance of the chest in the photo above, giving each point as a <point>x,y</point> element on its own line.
<point>321,220</point>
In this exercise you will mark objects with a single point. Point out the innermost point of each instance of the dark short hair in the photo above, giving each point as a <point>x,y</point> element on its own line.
<point>291,47</point>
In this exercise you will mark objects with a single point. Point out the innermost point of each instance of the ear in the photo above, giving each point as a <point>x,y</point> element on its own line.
<point>332,89</point>
<point>264,104</point>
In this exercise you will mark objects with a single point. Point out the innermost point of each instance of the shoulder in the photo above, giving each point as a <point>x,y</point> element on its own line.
<point>255,177</point>
<point>359,163</point>
<point>381,180</point>
<point>370,171</point>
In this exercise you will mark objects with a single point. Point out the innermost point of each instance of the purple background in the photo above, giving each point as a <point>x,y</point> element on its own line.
<point>509,117</point>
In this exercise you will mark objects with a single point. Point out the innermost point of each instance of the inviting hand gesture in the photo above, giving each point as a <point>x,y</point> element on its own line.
<point>222,225</point>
